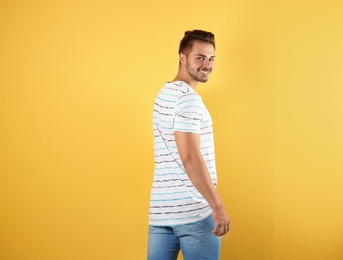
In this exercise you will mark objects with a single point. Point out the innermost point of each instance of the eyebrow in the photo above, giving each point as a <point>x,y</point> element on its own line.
<point>202,55</point>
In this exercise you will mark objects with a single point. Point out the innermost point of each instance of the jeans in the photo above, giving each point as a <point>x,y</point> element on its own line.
<point>195,240</point>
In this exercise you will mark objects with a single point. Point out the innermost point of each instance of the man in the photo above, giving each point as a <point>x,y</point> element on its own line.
<point>186,211</point>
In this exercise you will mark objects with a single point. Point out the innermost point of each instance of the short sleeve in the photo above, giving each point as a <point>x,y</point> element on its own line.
<point>188,113</point>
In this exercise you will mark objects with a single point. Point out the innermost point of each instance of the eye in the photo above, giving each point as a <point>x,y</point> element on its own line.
<point>212,59</point>
<point>200,58</point>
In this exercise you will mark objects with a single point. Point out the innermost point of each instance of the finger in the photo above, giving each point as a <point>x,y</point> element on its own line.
<point>219,231</point>
<point>227,228</point>
<point>222,230</point>
<point>216,229</point>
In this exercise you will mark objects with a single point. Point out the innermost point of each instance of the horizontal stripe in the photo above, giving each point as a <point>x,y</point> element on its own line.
<point>183,198</point>
<point>175,206</point>
<point>177,212</point>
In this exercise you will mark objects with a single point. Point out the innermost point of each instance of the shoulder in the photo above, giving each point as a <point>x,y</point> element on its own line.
<point>186,92</point>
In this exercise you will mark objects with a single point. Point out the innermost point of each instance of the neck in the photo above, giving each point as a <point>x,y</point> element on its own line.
<point>186,78</point>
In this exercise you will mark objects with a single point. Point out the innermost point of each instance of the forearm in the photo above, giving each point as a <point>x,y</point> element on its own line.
<point>198,174</point>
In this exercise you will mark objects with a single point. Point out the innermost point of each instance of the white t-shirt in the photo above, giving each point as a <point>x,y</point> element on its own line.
<point>174,200</point>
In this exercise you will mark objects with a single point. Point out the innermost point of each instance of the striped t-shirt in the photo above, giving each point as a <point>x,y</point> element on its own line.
<point>174,200</point>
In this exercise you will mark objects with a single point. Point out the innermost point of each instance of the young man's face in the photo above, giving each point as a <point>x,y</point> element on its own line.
<point>199,62</point>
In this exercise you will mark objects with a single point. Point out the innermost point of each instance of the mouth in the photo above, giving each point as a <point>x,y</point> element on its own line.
<point>204,71</point>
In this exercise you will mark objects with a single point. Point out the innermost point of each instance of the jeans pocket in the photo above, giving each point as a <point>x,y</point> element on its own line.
<point>160,230</point>
<point>152,229</point>
<point>194,227</point>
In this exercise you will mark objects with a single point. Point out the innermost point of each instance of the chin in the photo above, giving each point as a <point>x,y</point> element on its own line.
<point>203,80</point>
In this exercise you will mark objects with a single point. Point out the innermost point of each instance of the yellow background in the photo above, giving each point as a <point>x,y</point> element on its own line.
<point>77,85</point>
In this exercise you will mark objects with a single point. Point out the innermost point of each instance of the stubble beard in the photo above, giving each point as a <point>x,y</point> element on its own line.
<point>193,73</point>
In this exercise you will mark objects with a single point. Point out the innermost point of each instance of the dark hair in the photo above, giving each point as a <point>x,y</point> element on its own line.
<point>190,36</point>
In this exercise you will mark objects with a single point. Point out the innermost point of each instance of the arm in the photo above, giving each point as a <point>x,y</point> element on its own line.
<point>188,145</point>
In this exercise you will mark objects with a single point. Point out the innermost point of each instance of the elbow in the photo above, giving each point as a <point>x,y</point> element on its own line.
<point>191,160</point>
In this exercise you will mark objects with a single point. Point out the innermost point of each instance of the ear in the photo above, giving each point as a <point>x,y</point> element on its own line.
<point>182,58</point>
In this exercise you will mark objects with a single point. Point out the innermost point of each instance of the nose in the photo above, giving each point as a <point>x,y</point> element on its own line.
<point>207,63</point>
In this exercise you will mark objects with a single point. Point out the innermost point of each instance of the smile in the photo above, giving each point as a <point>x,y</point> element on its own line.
<point>204,71</point>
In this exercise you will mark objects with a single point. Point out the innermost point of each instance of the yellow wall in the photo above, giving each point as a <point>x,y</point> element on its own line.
<point>77,84</point>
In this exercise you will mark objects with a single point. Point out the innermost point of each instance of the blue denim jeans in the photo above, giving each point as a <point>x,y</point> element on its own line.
<point>195,240</point>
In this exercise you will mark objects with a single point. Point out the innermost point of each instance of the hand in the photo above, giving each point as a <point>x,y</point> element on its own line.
<point>221,222</point>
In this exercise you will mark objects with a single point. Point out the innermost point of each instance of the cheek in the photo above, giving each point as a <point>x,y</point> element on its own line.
<point>197,63</point>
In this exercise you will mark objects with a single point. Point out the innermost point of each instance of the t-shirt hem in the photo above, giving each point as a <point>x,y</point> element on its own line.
<point>174,223</point>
